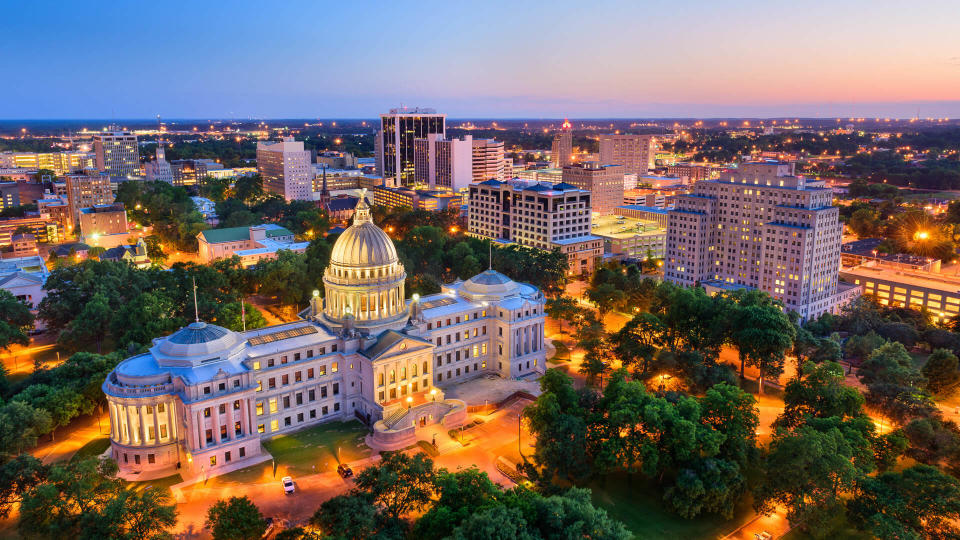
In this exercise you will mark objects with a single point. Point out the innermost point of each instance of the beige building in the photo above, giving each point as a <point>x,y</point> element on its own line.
<point>285,168</point>
<point>201,401</point>
<point>634,153</point>
<point>759,226</point>
<point>117,153</point>
<point>87,191</point>
<point>536,214</point>
<point>251,244</point>
<point>488,161</point>
<point>630,238</point>
<point>604,182</point>
<point>939,294</point>
<point>103,220</point>
<point>443,163</point>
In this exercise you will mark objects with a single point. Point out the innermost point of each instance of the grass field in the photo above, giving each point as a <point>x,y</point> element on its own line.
<point>92,448</point>
<point>306,452</point>
<point>636,502</point>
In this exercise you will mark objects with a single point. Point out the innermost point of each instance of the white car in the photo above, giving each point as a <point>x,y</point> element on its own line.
<point>288,486</point>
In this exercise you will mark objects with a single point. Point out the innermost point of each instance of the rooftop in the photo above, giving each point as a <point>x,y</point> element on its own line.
<point>237,234</point>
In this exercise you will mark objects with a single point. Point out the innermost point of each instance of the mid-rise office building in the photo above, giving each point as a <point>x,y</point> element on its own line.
<point>60,163</point>
<point>189,172</point>
<point>759,226</point>
<point>337,160</point>
<point>630,239</point>
<point>488,160</point>
<point>86,191</point>
<point>536,214</point>
<point>634,153</point>
<point>443,163</point>
<point>432,200</point>
<point>159,168</point>
<point>395,146</point>
<point>285,168</point>
<point>9,194</point>
<point>561,150</point>
<point>117,153</point>
<point>689,173</point>
<point>604,182</point>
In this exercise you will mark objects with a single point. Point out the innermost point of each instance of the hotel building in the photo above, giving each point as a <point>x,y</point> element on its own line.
<point>201,400</point>
<point>536,214</point>
<point>285,169</point>
<point>759,226</point>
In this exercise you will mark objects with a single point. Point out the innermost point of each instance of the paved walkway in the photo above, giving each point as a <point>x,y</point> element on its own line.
<point>67,440</point>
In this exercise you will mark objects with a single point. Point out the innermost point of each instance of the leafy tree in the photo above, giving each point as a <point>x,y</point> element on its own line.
<point>934,441</point>
<point>819,391</point>
<point>942,372</point>
<point>236,518</point>
<point>557,420</point>
<point>400,483</point>
<point>637,343</point>
<point>606,297</point>
<point>155,249</point>
<point>230,317</point>
<point>920,502</point>
<point>21,425</point>
<point>135,515</point>
<point>286,277</point>
<point>15,320</point>
<point>90,326</point>
<point>730,410</point>
<point>18,475</point>
<point>563,309</point>
<point>597,359</point>
<point>861,347</point>
<point>762,334</point>
<point>461,495</point>
<point>348,517</point>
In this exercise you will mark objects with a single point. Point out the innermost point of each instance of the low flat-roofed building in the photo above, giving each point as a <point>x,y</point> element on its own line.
<point>868,250</point>
<point>251,244</point>
<point>102,220</point>
<point>630,238</point>
<point>643,213</point>
<point>937,293</point>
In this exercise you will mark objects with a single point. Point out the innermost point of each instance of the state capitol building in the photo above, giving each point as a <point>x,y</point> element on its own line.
<point>200,401</point>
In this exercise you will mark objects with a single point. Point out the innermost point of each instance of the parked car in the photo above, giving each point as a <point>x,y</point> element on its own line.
<point>344,470</point>
<point>288,486</point>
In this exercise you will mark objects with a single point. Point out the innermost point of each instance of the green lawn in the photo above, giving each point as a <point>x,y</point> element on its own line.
<point>637,503</point>
<point>92,448</point>
<point>307,452</point>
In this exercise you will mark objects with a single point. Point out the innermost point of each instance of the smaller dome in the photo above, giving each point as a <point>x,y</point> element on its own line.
<point>197,338</point>
<point>490,283</point>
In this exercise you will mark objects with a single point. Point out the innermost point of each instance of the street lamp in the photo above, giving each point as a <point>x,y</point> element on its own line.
<point>433,394</point>
<point>409,402</point>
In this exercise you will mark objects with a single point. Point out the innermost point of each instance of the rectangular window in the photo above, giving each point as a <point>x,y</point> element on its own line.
<point>323,370</point>
<point>299,417</point>
<point>334,367</point>
<point>273,405</point>
<point>311,395</point>
<point>310,373</point>
<point>259,408</point>
<point>274,425</point>
<point>256,365</point>
<point>243,451</point>
<point>299,398</point>
<point>313,413</point>
<point>163,431</point>
<point>336,407</point>
<point>151,458</point>
<point>324,410</point>
<point>226,457</point>
<point>323,392</point>
<point>260,428</point>
<point>285,380</point>
<point>336,388</point>
<point>272,383</point>
<point>286,402</point>
<point>297,377</point>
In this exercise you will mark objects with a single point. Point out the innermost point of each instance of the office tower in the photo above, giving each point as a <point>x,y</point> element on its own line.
<point>760,227</point>
<point>488,161</point>
<point>189,172</point>
<point>60,163</point>
<point>159,168</point>
<point>395,142</point>
<point>604,182</point>
<point>87,191</point>
<point>634,153</point>
<point>444,163</point>
<point>117,153</point>
<point>285,168</point>
<point>561,152</point>
<point>537,214</point>
<point>9,194</point>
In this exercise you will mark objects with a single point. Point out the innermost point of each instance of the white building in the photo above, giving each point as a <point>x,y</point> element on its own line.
<point>159,169</point>
<point>285,168</point>
<point>759,226</point>
<point>444,163</point>
<point>201,400</point>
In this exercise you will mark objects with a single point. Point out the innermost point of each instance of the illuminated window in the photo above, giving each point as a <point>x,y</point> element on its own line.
<point>274,425</point>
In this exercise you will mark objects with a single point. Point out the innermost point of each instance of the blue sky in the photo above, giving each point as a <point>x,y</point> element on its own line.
<point>480,59</point>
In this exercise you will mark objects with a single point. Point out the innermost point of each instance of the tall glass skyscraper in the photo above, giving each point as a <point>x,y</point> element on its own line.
<point>394,144</point>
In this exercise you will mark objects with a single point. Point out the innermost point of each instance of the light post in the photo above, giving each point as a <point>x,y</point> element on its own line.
<point>433,394</point>
<point>409,402</point>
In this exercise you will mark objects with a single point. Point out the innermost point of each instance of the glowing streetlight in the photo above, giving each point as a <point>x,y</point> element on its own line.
<point>921,235</point>
<point>409,402</point>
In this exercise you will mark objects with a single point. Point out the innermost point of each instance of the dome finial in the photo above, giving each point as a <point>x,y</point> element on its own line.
<point>361,212</point>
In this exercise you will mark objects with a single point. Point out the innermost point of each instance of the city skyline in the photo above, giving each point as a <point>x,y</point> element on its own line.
<point>308,60</point>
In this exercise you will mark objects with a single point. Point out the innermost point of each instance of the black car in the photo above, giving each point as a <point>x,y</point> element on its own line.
<point>344,470</point>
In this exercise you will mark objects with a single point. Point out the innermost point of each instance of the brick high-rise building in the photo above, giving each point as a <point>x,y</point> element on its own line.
<point>634,153</point>
<point>759,226</point>
<point>87,191</point>
<point>286,169</point>
<point>117,153</point>
<point>604,182</point>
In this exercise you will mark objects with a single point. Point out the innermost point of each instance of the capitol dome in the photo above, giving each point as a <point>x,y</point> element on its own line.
<point>198,342</point>
<point>364,283</point>
<point>489,285</point>
<point>363,244</point>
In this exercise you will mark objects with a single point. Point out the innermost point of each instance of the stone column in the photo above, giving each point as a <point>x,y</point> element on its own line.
<point>171,428</point>
<point>216,424</point>
<point>231,431</point>
<point>141,425</point>
<point>156,426</point>
<point>200,431</point>
<point>130,440</point>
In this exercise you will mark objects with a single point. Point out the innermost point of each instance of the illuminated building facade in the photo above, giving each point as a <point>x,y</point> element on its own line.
<point>604,182</point>
<point>395,142</point>
<point>286,169</point>
<point>201,400</point>
<point>634,153</point>
<point>561,150</point>
<point>87,191</point>
<point>759,226</point>
<point>117,153</point>
<point>59,162</point>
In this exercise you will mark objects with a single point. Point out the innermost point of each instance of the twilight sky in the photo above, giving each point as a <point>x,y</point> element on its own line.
<point>589,58</point>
